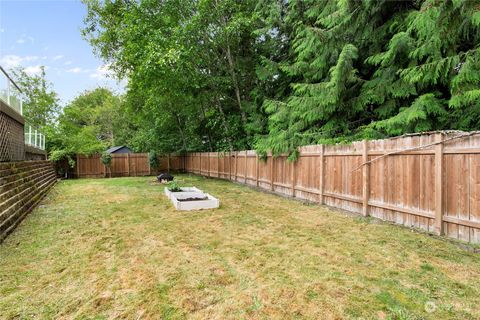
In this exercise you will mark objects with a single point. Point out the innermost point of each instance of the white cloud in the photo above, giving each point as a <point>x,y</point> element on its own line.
<point>12,61</point>
<point>34,70</point>
<point>2,30</point>
<point>76,70</point>
<point>57,57</point>
<point>67,63</point>
<point>102,73</point>
<point>23,39</point>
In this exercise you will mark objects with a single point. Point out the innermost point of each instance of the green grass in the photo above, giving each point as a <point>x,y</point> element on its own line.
<point>116,249</point>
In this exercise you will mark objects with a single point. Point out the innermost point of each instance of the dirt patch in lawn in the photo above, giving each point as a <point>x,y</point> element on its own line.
<point>117,249</point>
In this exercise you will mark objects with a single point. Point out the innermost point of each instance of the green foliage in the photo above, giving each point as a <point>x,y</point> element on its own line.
<point>153,159</point>
<point>367,69</point>
<point>40,102</point>
<point>190,70</point>
<point>106,159</point>
<point>58,155</point>
<point>173,186</point>
<point>86,125</point>
<point>275,75</point>
<point>415,118</point>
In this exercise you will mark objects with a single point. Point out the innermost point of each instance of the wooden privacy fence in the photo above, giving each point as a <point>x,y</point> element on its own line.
<point>125,165</point>
<point>429,181</point>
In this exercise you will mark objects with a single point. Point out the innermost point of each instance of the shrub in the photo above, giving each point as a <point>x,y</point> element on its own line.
<point>106,159</point>
<point>153,159</point>
<point>173,186</point>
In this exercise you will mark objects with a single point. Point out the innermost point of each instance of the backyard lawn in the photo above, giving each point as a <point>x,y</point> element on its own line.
<point>116,249</point>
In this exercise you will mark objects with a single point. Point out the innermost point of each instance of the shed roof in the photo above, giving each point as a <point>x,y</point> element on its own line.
<point>114,149</point>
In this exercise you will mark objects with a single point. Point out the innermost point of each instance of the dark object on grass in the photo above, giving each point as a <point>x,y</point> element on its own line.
<point>165,177</point>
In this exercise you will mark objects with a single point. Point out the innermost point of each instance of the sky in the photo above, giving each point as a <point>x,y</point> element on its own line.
<point>36,33</point>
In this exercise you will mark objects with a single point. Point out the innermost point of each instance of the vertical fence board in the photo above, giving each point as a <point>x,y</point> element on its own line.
<point>439,171</point>
<point>366,179</point>
<point>474,196</point>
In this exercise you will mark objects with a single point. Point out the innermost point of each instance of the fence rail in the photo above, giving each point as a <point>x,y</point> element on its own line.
<point>435,187</point>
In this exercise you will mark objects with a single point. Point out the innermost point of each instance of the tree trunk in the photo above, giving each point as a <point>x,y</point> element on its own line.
<point>210,147</point>
<point>224,123</point>
<point>233,74</point>
<point>182,134</point>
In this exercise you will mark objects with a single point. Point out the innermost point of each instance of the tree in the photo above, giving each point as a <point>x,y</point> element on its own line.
<point>40,101</point>
<point>375,69</point>
<point>276,74</point>
<point>86,125</point>
<point>190,66</point>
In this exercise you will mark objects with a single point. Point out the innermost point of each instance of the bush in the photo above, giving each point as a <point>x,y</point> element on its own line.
<point>153,159</point>
<point>173,186</point>
<point>106,159</point>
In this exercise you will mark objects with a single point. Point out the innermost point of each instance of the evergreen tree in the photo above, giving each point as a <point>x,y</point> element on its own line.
<point>375,69</point>
<point>277,74</point>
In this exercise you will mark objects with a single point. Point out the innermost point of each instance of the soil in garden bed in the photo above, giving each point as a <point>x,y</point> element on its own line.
<point>193,199</point>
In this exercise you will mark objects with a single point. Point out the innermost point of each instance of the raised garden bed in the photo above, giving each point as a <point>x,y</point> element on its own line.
<point>184,189</point>
<point>191,198</point>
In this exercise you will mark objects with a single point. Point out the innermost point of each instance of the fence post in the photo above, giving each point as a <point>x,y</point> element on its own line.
<point>148,163</point>
<point>321,169</point>
<point>208,163</point>
<point>230,165</point>
<point>236,164</point>
<point>439,185</point>
<point>168,162</point>
<point>366,178</point>
<point>245,172</point>
<point>78,166</point>
<point>185,162</point>
<point>128,164</point>
<point>294,176</point>
<point>256,168</point>
<point>218,165</point>
<point>271,173</point>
